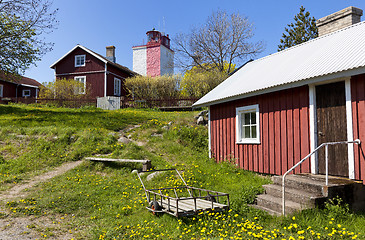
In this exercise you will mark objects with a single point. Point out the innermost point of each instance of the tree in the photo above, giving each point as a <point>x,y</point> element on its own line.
<point>223,38</point>
<point>22,25</point>
<point>302,30</point>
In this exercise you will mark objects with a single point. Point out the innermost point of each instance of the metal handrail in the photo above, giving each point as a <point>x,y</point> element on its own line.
<point>357,141</point>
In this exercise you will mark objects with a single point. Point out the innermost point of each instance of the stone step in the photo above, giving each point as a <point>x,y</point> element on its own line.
<point>269,211</point>
<point>305,198</point>
<point>301,182</point>
<point>275,204</point>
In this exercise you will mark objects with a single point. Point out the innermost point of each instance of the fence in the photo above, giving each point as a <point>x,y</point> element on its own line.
<point>164,104</point>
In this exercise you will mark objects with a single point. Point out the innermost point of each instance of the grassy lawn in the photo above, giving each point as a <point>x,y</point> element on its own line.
<point>106,201</point>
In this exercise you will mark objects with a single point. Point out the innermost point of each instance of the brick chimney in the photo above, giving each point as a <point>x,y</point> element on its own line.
<point>110,53</point>
<point>341,19</point>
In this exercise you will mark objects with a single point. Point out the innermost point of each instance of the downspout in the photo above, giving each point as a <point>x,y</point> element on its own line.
<point>105,79</point>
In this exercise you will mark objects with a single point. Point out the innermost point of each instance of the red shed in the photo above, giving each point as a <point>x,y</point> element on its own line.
<point>275,110</point>
<point>100,75</point>
<point>18,87</point>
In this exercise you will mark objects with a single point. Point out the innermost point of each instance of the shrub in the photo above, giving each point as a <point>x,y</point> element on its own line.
<point>146,87</point>
<point>197,83</point>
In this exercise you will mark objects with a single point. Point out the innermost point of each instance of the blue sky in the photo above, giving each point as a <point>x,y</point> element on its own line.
<point>96,24</point>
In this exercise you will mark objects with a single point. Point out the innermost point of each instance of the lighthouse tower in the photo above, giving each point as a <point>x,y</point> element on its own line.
<point>156,57</point>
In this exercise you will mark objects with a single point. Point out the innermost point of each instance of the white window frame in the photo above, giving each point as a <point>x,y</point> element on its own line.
<point>24,93</point>
<point>239,112</point>
<point>81,57</point>
<point>1,90</point>
<point>117,86</point>
<point>78,79</point>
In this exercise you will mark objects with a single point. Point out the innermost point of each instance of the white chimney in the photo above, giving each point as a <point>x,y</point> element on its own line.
<point>110,53</point>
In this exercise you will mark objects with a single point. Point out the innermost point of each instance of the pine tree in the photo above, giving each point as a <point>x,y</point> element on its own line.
<point>303,29</point>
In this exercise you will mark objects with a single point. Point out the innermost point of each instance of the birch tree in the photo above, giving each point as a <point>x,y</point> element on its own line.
<point>223,38</point>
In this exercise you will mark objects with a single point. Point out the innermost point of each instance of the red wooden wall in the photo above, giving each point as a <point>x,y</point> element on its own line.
<point>284,132</point>
<point>358,113</point>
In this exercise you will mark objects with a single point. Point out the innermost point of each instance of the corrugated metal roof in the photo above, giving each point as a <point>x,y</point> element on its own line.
<point>336,52</point>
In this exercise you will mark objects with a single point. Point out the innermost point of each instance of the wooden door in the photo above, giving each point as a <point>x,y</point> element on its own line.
<point>332,127</point>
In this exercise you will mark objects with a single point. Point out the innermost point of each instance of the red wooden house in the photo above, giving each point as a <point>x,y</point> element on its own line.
<point>275,110</point>
<point>102,76</point>
<point>15,88</point>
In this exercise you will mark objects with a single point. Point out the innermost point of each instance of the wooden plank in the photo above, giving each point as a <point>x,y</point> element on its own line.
<point>146,164</point>
<point>277,131</point>
<point>117,160</point>
<point>296,128</point>
<point>355,121</point>
<point>265,135</point>
<point>271,134</point>
<point>260,149</point>
<point>361,124</point>
<point>304,127</point>
<point>290,131</point>
<point>284,138</point>
<point>224,133</point>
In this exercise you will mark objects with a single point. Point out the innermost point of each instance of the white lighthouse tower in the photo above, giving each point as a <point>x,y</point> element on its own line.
<point>156,57</point>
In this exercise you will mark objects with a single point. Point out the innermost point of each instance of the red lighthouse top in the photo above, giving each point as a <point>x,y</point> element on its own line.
<point>155,37</point>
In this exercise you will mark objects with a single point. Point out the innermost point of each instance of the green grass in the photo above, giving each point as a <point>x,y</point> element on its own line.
<point>106,201</point>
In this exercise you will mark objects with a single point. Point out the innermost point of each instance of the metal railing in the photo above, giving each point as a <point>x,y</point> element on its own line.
<point>357,141</point>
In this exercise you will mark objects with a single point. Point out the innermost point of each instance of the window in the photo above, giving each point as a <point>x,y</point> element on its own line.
<point>79,60</point>
<point>26,93</point>
<point>82,87</point>
<point>117,86</point>
<point>1,90</point>
<point>248,124</point>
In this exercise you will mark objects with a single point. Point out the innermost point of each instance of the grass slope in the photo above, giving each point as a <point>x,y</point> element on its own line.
<point>106,201</point>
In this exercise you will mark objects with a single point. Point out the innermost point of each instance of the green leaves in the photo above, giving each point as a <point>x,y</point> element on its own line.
<point>303,29</point>
<point>22,23</point>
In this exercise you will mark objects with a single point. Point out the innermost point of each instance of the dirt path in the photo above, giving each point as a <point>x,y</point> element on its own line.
<point>18,228</point>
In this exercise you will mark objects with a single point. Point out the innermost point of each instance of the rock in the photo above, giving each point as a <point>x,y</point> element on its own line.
<point>124,140</point>
<point>202,113</point>
<point>165,127</point>
<point>201,121</point>
<point>156,135</point>
<point>153,175</point>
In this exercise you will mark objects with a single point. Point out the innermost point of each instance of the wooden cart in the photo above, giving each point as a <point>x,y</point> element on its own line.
<point>199,200</point>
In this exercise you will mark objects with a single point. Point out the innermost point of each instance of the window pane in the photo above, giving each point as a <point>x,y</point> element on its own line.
<point>253,118</point>
<point>246,132</point>
<point>253,132</point>
<point>247,119</point>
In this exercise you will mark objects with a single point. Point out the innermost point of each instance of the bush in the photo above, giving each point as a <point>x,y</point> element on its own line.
<point>160,87</point>
<point>197,83</point>
<point>63,89</point>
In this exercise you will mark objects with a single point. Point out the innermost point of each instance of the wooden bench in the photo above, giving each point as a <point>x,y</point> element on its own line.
<point>146,164</point>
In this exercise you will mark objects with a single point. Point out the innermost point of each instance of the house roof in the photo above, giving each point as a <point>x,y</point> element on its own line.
<point>338,54</point>
<point>100,57</point>
<point>25,81</point>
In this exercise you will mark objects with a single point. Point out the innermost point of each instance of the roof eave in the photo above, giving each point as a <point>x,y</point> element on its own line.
<point>315,80</point>
<point>83,48</point>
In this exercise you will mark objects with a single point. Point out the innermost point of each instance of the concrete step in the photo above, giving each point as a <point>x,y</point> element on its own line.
<point>305,198</point>
<point>301,182</point>
<point>275,204</point>
<point>269,211</point>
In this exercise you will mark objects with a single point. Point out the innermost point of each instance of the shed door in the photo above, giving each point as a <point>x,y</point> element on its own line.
<point>331,127</point>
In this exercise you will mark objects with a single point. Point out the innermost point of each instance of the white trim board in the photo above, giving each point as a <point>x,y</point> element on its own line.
<point>313,124</point>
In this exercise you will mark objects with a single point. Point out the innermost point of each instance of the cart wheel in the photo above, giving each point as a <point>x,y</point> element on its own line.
<point>155,207</point>
<point>211,198</point>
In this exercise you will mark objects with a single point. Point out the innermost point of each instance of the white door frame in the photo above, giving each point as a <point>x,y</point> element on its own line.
<point>313,125</point>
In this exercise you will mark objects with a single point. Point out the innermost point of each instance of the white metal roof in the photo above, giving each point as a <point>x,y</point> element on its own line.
<point>338,54</point>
